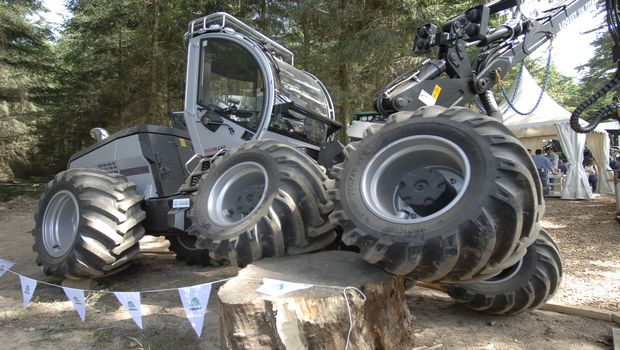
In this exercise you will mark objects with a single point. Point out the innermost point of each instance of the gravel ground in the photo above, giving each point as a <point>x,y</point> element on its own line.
<point>589,239</point>
<point>585,231</point>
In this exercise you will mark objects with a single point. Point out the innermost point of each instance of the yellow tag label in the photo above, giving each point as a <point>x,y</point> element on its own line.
<point>436,92</point>
<point>182,142</point>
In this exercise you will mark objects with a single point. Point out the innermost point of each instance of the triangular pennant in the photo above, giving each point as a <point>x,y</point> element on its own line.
<point>5,265</point>
<point>131,302</point>
<point>276,288</point>
<point>195,300</point>
<point>76,296</point>
<point>28,287</point>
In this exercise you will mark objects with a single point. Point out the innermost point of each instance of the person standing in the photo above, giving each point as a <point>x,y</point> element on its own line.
<point>590,169</point>
<point>543,165</point>
<point>553,158</point>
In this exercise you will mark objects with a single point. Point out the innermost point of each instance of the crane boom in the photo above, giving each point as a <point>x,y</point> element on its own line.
<point>454,77</point>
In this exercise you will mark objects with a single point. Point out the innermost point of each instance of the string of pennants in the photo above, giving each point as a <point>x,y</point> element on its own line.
<point>195,298</point>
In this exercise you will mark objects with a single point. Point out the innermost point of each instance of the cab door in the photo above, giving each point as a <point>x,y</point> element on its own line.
<point>227,97</point>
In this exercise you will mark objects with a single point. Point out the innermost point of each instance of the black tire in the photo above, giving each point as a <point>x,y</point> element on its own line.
<point>524,286</point>
<point>88,224</point>
<point>468,233</point>
<point>287,211</point>
<point>185,248</point>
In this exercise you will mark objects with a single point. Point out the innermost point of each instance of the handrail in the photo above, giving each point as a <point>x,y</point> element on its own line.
<point>221,20</point>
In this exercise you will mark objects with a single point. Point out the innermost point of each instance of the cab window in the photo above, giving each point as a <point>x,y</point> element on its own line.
<point>230,83</point>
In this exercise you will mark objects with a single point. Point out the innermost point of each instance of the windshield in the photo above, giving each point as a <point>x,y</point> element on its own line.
<point>230,82</point>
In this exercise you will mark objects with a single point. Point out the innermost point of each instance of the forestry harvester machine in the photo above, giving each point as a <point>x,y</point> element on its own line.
<point>430,190</point>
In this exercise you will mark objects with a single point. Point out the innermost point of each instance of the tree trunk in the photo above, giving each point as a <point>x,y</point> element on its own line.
<point>315,318</point>
<point>344,100</point>
<point>154,111</point>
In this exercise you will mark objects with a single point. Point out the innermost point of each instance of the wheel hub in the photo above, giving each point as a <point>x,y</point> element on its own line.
<point>60,223</point>
<point>426,191</point>
<point>248,199</point>
<point>237,193</point>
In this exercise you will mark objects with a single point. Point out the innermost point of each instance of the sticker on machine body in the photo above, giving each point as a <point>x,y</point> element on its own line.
<point>180,203</point>
<point>436,92</point>
<point>427,98</point>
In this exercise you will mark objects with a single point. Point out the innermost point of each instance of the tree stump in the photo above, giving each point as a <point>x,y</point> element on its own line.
<point>315,318</point>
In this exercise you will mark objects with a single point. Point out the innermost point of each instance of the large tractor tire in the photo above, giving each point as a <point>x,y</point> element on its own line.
<point>88,224</point>
<point>262,199</point>
<point>438,195</point>
<point>185,248</point>
<point>524,286</point>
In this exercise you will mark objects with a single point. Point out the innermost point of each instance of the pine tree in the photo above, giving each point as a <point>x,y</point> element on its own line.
<point>23,53</point>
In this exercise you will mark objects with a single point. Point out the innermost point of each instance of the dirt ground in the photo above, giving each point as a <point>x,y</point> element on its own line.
<point>588,237</point>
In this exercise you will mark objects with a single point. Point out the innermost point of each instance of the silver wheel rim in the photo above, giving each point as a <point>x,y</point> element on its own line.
<point>382,176</point>
<point>187,242</point>
<point>505,275</point>
<point>60,223</point>
<point>238,193</point>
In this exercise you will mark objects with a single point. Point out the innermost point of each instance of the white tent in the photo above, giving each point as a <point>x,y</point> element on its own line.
<point>551,121</point>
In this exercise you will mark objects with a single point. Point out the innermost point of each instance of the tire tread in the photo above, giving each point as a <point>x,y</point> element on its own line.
<point>541,283</point>
<point>456,257</point>
<point>110,224</point>
<point>297,220</point>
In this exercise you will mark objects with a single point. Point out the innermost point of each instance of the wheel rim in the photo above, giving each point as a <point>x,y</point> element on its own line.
<point>505,275</point>
<point>238,193</point>
<point>384,178</point>
<point>60,223</point>
<point>187,242</point>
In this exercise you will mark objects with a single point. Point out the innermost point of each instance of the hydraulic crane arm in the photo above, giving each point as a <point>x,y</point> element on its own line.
<point>453,78</point>
<point>522,39</point>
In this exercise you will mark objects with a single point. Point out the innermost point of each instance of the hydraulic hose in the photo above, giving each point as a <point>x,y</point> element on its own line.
<point>490,105</point>
<point>603,113</point>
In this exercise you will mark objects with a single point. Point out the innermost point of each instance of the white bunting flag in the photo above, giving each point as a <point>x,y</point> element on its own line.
<point>276,288</point>
<point>28,287</point>
<point>4,266</point>
<point>131,302</point>
<point>195,300</point>
<point>76,296</point>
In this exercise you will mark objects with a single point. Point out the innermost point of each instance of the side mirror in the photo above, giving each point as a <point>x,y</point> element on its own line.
<point>99,134</point>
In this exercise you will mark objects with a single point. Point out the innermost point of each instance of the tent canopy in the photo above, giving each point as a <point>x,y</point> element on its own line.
<point>542,121</point>
<point>550,120</point>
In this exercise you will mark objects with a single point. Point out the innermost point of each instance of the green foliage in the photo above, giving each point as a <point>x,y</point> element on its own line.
<point>598,71</point>
<point>23,55</point>
<point>119,63</point>
<point>356,47</point>
<point>122,62</point>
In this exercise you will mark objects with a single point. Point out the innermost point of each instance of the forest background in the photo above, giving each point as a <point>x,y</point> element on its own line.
<point>120,63</point>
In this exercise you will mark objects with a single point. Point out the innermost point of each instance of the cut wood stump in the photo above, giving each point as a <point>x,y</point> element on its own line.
<point>315,318</point>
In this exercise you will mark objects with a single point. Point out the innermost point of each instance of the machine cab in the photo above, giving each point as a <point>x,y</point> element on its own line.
<point>241,86</point>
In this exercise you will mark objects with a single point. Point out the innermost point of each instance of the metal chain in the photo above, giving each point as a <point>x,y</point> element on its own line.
<point>510,100</point>
<point>479,105</point>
